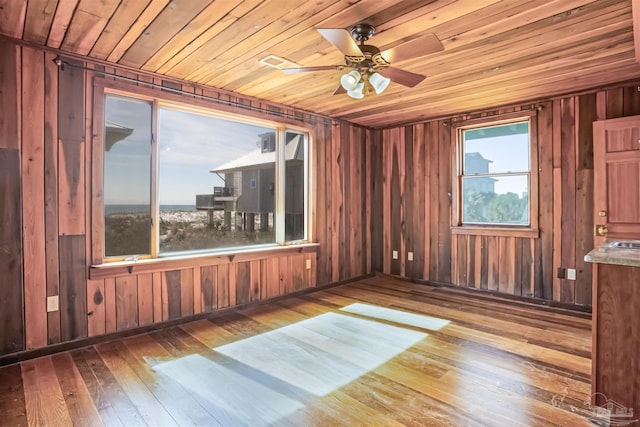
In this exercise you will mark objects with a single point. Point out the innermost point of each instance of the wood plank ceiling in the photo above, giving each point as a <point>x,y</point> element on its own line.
<point>495,52</point>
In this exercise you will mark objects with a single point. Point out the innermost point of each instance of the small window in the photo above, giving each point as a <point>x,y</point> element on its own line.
<point>494,175</point>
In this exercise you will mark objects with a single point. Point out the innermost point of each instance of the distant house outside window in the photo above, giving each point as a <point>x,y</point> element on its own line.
<point>204,182</point>
<point>494,178</point>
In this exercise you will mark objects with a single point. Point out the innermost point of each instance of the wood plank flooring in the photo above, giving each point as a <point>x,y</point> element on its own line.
<point>377,352</point>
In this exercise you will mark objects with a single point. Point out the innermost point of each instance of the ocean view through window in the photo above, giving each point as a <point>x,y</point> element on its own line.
<point>203,182</point>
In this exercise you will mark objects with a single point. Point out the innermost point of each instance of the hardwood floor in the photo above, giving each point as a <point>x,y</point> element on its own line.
<point>377,352</point>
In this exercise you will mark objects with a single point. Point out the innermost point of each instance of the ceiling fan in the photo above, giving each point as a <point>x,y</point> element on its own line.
<point>371,69</point>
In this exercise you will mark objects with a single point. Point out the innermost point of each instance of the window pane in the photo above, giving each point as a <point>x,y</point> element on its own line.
<point>127,177</point>
<point>496,200</point>
<point>295,149</point>
<point>497,149</point>
<point>216,182</point>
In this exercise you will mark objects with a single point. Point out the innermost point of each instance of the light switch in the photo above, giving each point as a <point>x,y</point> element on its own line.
<point>410,256</point>
<point>395,254</point>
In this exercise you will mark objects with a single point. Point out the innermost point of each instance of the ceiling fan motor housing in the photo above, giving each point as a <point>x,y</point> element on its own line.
<point>362,32</point>
<point>370,59</point>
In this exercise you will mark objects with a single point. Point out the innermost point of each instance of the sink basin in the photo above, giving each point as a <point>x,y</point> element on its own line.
<point>626,244</point>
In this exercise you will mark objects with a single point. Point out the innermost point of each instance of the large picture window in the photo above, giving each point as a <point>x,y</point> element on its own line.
<point>494,175</point>
<point>183,180</point>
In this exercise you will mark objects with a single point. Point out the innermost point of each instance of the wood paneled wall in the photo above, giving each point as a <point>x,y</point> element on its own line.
<point>416,212</point>
<point>46,202</point>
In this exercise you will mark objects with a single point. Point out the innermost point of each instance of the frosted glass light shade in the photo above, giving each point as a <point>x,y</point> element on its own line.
<point>350,80</point>
<point>379,82</point>
<point>357,92</point>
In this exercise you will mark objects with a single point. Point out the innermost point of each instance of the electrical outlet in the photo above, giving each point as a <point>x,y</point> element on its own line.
<point>52,304</point>
<point>571,273</point>
<point>308,264</point>
<point>395,254</point>
<point>410,256</point>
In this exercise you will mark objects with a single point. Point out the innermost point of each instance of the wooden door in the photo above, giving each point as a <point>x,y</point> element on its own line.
<point>616,151</point>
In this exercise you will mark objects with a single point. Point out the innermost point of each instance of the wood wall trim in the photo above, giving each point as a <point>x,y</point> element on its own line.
<point>530,233</point>
<point>101,271</point>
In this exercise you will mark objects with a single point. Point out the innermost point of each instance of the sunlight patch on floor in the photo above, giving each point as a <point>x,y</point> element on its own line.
<point>406,318</point>
<point>259,380</point>
<point>231,393</point>
<point>303,354</point>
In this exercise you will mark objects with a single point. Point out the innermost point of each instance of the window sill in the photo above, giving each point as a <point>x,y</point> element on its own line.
<point>123,268</point>
<point>529,233</point>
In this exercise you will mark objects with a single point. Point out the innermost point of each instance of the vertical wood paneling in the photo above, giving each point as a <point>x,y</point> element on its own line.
<point>443,196</point>
<point>337,227</point>
<point>272,277</point>
<point>173,293</point>
<point>223,286</point>
<point>417,213</point>
<point>73,287</point>
<point>322,200</point>
<point>145,299</point>
<point>12,321</point>
<point>243,282</point>
<point>585,116</point>
<point>51,192</point>
<point>255,271</point>
<point>208,278</point>
<point>395,200</point>
<point>433,155</point>
<point>12,314</point>
<point>386,202</point>
<point>375,178</point>
<point>10,68</point>
<point>158,303</point>
<point>568,163</point>
<point>110,305</point>
<point>95,308</point>
<point>543,279</point>
<point>126,302</point>
<point>186,292</point>
<point>409,219</point>
<point>33,228</point>
<point>71,129</point>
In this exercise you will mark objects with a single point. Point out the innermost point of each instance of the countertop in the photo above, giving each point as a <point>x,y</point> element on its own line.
<point>607,253</point>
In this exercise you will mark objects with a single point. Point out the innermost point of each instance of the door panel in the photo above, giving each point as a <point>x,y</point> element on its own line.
<point>617,177</point>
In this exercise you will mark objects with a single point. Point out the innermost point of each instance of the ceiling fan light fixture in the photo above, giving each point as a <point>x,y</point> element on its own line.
<point>357,92</point>
<point>379,82</point>
<point>351,80</point>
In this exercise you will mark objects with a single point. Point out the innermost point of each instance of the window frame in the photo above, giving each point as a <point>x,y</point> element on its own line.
<point>160,99</point>
<point>457,226</point>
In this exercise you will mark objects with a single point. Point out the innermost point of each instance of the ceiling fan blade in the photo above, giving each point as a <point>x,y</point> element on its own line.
<point>342,40</point>
<point>305,69</point>
<point>339,90</point>
<point>417,47</point>
<point>405,78</point>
